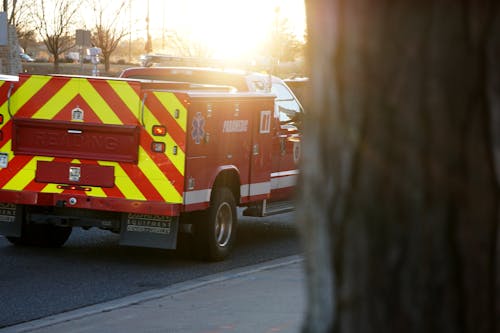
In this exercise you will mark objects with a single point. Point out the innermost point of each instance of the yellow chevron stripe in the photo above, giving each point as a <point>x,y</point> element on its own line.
<point>74,87</point>
<point>158,178</point>
<point>124,183</point>
<point>128,95</point>
<point>50,109</point>
<point>170,102</point>
<point>97,192</point>
<point>25,176</point>
<point>51,188</point>
<point>106,115</point>
<point>25,92</point>
<point>6,148</point>
<point>98,104</point>
<point>177,160</point>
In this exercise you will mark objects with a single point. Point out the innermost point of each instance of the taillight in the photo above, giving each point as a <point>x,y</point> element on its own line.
<point>159,130</point>
<point>1,119</point>
<point>74,188</point>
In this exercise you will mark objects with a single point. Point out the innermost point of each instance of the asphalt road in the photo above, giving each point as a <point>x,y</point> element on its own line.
<point>92,268</point>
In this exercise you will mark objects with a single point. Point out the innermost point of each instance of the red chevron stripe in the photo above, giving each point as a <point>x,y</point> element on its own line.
<point>15,165</point>
<point>166,165</point>
<point>122,110</point>
<point>53,86</point>
<point>113,192</point>
<point>65,112</point>
<point>4,90</point>
<point>125,114</point>
<point>35,186</point>
<point>146,137</point>
<point>164,117</point>
<point>142,182</point>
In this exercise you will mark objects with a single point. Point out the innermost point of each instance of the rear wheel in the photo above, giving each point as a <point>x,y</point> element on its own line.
<point>215,233</point>
<point>45,235</point>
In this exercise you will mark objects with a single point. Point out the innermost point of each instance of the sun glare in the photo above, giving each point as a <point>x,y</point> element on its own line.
<point>229,28</point>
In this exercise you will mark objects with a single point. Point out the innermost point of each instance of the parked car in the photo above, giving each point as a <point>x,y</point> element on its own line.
<point>26,58</point>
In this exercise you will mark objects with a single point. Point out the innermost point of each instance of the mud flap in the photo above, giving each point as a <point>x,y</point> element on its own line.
<point>149,231</point>
<point>11,219</point>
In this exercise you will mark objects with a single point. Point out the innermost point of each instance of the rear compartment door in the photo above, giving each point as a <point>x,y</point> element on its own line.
<point>94,133</point>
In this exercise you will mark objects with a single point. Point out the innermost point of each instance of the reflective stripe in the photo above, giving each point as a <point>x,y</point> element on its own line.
<point>194,197</point>
<point>284,173</point>
<point>25,176</point>
<point>172,103</point>
<point>26,91</point>
<point>255,189</point>
<point>203,196</point>
<point>124,183</point>
<point>284,179</point>
<point>156,176</point>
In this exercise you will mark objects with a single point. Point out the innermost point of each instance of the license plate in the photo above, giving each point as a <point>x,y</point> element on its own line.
<point>4,160</point>
<point>74,174</point>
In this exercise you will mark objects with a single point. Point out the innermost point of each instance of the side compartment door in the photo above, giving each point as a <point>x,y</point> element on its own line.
<point>261,151</point>
<point>288,115</point>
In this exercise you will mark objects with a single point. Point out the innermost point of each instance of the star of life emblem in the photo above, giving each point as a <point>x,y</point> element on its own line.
<point>198,130</point>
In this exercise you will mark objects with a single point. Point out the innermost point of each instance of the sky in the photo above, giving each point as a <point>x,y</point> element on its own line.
<point>231,27</point>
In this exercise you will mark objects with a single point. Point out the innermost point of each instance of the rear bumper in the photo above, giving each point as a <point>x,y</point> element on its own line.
<point>76,200</point>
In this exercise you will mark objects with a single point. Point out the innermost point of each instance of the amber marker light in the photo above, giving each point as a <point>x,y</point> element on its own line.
<point>74,188</point>
<point>159,130</point>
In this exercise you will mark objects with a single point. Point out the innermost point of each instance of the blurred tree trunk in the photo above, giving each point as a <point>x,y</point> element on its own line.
<point>399,190</point>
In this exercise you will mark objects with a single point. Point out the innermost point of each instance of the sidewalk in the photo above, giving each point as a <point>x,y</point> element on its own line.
<point>268,297</point>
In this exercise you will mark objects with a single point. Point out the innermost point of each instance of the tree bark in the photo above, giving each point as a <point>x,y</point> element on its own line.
<point>399,188</point>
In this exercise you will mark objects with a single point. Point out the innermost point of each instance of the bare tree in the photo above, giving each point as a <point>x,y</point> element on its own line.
<point>399,195</point>
<point>108,31</point>
<point>20,17</point>
<point>282,45</point>
<point>10,7</point>
<point>53,20</point>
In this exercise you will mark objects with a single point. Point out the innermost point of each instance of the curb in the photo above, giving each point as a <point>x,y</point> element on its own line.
<point>150,295</point>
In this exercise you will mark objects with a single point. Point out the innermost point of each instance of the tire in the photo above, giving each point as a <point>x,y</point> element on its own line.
<point>215,233</point>
<point>43,235</point>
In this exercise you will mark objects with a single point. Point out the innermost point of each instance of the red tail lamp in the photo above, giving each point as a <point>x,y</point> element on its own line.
<point>159,130</point>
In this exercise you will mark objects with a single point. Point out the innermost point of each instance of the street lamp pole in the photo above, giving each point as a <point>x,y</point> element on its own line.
<point>163,28</point>
<point>149,45</point>
<point>129,31</point>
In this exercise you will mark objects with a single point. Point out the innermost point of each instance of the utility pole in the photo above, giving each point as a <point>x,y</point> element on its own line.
<point>149,43</point>
<point>129,31</point>
<point>163,28</point>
